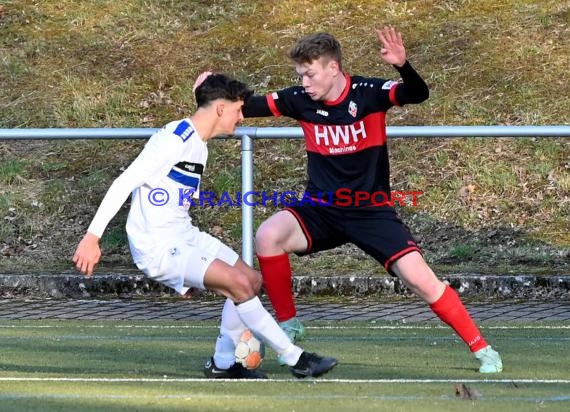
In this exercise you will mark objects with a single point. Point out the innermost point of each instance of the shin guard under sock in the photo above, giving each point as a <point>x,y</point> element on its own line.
<point>451,310</point>
<point>277,281</point>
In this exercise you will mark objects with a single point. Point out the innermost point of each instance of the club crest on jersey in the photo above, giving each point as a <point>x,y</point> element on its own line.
<point>388,85</point>
<point>352,109</point>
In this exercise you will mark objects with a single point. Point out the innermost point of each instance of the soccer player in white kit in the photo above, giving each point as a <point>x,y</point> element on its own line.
<point>168,248</point>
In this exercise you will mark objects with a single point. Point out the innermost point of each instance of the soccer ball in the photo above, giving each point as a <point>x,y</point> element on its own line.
<point>249,350</point>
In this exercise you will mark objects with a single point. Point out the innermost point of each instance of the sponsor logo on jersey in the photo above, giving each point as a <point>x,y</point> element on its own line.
<point>190,167</point>
<point>328,139</point>
<point>274,95</point>
<point>322,112</point>
<point>352,108</point>
<point>343,135</point>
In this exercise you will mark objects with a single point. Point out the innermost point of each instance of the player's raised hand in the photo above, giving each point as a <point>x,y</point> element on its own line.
<point>393,50</point>
<point>87,254</point>
<point>200,79</point>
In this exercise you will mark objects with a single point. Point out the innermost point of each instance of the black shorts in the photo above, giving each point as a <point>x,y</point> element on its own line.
<point>377,231</point>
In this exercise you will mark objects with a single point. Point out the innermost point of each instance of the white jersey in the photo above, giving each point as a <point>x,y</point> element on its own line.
<point>167,171</point>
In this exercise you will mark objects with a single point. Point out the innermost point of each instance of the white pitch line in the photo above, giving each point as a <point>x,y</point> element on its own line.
<point>320,380</point>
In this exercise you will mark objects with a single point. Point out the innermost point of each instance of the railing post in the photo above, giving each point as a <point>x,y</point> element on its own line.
<point>246,207</point>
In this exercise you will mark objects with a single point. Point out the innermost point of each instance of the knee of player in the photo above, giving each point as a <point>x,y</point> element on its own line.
<point>253,275</point>
<point>242,288</point>
<point>267,235</point>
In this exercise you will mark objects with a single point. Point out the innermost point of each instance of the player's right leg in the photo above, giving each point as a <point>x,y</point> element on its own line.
<point>223,364</point>
<point>184,265</point>
<point>234,284</point>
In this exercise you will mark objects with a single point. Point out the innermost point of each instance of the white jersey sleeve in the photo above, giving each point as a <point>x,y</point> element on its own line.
<point>154,162</point>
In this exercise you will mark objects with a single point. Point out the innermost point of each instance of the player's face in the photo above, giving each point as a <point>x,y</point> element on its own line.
<point>318,78</point>
<point>230,115</point>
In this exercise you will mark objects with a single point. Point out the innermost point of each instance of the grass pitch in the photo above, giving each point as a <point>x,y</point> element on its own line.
<point>156,365</point>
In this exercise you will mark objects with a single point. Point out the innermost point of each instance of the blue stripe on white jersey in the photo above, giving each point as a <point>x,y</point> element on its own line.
<point>184,130</point>
<point>186,180</point>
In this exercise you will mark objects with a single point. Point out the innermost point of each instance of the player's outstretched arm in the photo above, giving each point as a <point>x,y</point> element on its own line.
<point>393,50</point>
<point>413,88</point>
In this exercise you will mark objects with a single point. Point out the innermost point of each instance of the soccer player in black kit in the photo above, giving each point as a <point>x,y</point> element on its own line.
<point>343,120</point>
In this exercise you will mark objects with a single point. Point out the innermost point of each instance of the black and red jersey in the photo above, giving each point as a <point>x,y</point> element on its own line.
<point>345,139</point>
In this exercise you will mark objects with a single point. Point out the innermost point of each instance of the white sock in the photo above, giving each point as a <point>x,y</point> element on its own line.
<point>262,324</point>
<point>230,331</point>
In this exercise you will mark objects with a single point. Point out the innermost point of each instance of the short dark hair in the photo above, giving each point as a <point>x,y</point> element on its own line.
<point>314,46</point>
<point>220,86</point>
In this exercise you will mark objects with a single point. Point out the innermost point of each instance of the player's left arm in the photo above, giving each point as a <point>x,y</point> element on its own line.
<point>413,89</point>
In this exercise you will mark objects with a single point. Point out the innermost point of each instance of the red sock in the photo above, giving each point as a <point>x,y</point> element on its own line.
<point>277,281</point>
<point>450,310</point>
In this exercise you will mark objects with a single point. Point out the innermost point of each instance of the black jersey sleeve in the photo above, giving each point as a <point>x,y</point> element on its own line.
<point>285,102</point>
<point>376,93</point>
<point>256,106</point>
<point>413,88</point>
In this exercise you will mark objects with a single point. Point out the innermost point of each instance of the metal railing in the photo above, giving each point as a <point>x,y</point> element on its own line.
<point>248,134</point>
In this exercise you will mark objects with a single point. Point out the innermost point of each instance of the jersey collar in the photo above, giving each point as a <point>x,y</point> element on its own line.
<point>343,94</point>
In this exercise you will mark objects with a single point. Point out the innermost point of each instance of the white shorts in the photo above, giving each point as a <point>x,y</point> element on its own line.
<point>183,263</point>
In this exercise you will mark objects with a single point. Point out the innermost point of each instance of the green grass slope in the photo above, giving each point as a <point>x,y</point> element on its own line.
<point>499,205</point>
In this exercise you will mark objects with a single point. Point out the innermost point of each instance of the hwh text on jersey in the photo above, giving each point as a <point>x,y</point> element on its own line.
<point>324,134</point>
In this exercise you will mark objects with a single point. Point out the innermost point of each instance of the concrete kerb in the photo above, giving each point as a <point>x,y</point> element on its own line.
<point>120,285</point>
